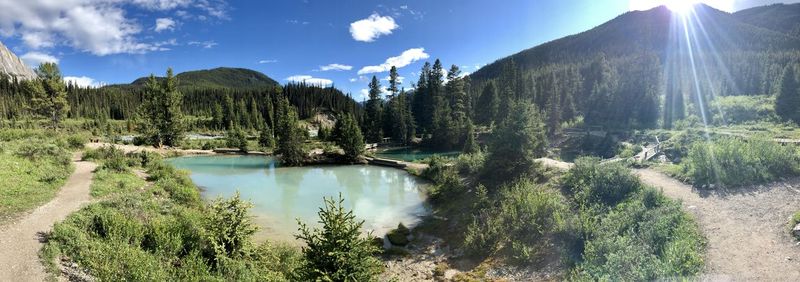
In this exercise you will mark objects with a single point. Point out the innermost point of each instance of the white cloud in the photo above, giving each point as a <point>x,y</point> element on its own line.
<point>367,30</point>
<point>163,24</point>
<point>310,80</point>
<point>34,59</point>
<point>162,5</point>
<point>206,44</point>
<point>99,27</point>
<point>406,58</point>
<point>267,61</point>
<point>83,81</point>
<point>335,67</point>
<point>353,79</point>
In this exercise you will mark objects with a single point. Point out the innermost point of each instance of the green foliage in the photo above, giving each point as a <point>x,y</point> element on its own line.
<point>48,94</point>
<point>155,234</point>
<point>590,183</point>
<point>515,145</point>
<point>521,218</point>
<point>374,113</point>
<point>290,136</point>
<point>734,162</point>
<point>646,237</point>
<point>33,166</point>
<point>787,101</point>
<point>350,138</point>
<point>337,251</point>
<point>741,109</point>
<point>236,138</point>
<point>161,117</point>
<point>107,182</point>
<point>229,228</point>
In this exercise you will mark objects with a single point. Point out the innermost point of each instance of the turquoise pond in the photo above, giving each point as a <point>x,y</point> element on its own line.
<point>413,154</point>
<point>381,196</point>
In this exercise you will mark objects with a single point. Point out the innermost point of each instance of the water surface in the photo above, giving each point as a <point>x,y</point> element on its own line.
<point>413,154</point>
<point>381,196</point>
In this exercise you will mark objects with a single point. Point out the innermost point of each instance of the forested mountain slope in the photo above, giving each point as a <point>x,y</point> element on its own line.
<point>231,78</point>
<point>784,18</point>
<point>638,68</point>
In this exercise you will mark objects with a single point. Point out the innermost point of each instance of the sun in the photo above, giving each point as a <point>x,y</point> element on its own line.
<point>681,7</point>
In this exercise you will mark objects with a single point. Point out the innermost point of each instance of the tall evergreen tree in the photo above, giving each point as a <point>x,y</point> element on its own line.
<point>290,136</point>
<point>48,94</point>
<point>374,112</point>
<point>350,138</point>
<point>488,103</point>
<point>787,102</point>
<point>516,144</point>
<point>160,112</point>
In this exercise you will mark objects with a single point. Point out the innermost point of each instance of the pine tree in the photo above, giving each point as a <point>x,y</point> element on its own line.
<point>265,137</point>
<point>350,138</point>
<point>160,111</point>
<point>488,103</point>
<point>48,94</point>
<point>374,112</point>
<point>470,145</point>
<point>515,145</point>
<point>787,102</point>
<point>290,136</point>
<point>337,252</point>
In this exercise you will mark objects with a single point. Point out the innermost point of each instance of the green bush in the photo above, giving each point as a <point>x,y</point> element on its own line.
<point>77,141</point>
<point>236,138</point>
<point>646,237</point>
<point>740,109</point>
<point>229,228</point>
<point>337,251</point>
<point>590,182</point>
<point>734,162</point>
<point>524,215</point>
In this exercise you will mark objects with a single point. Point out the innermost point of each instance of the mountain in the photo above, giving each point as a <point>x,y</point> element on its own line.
<point>231,78</point>
<point>650,68</point>
<point>784,18</point>
<point>647,31</point>
<point>11,65</point>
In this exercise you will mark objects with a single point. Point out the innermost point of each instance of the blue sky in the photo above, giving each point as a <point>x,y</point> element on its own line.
<point>321,41</point>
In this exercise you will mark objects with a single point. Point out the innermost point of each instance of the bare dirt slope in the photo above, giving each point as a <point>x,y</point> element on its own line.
<point>21,240</point>
<point>746,228</point>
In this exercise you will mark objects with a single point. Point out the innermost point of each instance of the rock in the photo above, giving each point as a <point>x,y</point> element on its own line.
<point>397,238</point>
<point>11,65</point>
<point>796,231</point>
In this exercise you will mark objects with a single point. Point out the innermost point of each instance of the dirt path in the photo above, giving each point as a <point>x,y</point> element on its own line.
<point>746,228</point>
<point>21,240</point>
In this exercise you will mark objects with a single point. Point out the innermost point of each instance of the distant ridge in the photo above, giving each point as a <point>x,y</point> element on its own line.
<point>222,77</point>
<point>13,66</point>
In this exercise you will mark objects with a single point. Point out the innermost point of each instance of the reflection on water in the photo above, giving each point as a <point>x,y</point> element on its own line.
<point>381,196</point>
<point>412,154</point>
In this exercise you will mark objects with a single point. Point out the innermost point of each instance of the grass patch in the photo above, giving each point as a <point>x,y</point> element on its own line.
<point>34,164</point>
<point>107,182</point>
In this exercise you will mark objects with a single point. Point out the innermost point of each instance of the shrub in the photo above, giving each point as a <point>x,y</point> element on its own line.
<point>236,139</point>
<point>739,109</point>
<point>229,228</point>
<point>734,162</point>
<point>337,252</point>
<point>646,237</point>
<point>590,182</point>
<point>525,213</point>
<point>77,141</point>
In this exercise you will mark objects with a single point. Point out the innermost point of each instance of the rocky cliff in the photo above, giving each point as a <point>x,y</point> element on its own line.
<point>11,64</point>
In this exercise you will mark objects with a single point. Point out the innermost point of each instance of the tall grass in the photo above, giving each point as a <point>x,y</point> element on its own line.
<point>735,162</point>
<point>165,233</point>
<point>34,164</point>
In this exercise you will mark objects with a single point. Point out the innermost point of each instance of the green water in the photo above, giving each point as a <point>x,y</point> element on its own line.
<point>410,154</point>
<point>382,197</point>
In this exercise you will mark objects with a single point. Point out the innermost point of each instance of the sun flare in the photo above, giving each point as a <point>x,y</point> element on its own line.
<point>680,6</point>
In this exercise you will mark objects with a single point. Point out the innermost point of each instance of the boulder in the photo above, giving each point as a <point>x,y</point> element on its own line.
<point>796,231</point>
<point>397,238</point>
